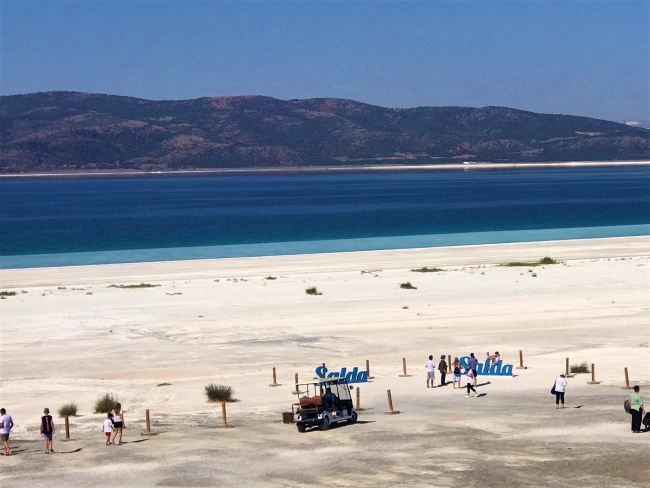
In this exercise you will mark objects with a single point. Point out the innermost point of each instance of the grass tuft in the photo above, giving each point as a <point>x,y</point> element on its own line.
<point>579,368</point>
<point>141,285</point>
<point>427,270</point>
<point>68,410</point>
<point>407,286</point>
<point>270,278</point>
<point>219,393</point>
<point>312,291</point>
<point>541,262</point>
<point>105,403</point>
<point>7,293</point>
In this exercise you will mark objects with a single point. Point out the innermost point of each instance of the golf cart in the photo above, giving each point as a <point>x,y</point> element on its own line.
<point>323,402</point>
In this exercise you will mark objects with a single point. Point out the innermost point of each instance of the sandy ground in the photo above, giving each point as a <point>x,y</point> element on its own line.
<point>67,335</point>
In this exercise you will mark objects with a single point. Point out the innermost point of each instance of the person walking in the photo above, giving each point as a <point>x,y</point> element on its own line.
<point>469,380</point>
<point>107,427</point>
<point>6,424</point>
<point>560,388</point>
<point>456,371</point>
<point>442,367</point>
<point>47,430</point>
<point>636,409</point>
<point>118,423</point>
<point>431,372</point>
<point>473,365</point>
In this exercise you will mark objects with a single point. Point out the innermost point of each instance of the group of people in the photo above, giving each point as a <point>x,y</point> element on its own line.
<point>112,427</point>
<point>460,378</point>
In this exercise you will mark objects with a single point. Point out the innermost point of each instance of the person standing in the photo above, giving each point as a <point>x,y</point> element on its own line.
<point>6,424</point>
<point>636,409</point>
<point>442,367</point>
<point>469,379</point>
<point>560,388</point>
<point>108,428</point>
<point>473,365</point>
<point>118,423</point>
<point>431,372</point>
<point>47,430</point>
<point>456,371</point>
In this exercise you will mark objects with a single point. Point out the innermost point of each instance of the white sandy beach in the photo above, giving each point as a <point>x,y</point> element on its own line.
<point>67,335</point>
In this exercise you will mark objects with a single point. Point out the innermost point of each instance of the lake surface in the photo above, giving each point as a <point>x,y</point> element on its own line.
<point>56,222</point>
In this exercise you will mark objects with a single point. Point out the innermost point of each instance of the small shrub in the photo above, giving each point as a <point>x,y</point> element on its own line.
<point>579,368</point>
<point>7,293</point>
<point>534,275</point>
<point>105,403</point>
<point>164,384</point>
<point>541,262</point>
<point>270,278</point>
<point>68,410</point>
<point>219,393</point>
<point>427,270</point>
<point>141,285</point>
<point>312,291</point>
<point>407,286</point>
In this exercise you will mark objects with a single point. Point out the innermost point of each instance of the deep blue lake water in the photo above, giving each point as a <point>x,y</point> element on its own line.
<point>48,222</point>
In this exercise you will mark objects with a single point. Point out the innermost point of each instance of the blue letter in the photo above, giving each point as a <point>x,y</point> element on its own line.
<point>506,370</point>
<point>463,362</point>
<point>320,371</point>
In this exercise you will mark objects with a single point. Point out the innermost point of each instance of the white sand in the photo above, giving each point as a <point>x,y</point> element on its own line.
<point>70,336</point>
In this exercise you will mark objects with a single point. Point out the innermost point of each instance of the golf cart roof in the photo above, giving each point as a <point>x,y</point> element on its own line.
<point>318,381</point>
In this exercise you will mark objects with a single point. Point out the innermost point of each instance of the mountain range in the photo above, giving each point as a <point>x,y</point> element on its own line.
<point>62,131</point>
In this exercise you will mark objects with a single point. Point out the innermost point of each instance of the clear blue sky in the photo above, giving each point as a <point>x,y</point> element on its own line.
<point>576,57</point>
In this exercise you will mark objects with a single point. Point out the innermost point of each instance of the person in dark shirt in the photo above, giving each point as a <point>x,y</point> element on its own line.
<point>473,364</point>
<point>329,398</point>
<point>442,367</point>
<point>47,431</point>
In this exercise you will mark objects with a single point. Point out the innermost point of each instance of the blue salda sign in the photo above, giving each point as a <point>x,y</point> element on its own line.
<point>354,376</point>
<point>489,369</point>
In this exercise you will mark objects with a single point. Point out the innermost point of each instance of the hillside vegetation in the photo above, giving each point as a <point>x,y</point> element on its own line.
<point>69,130</point>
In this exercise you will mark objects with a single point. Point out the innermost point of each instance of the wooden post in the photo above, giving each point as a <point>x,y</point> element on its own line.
<point>390,406</point>
<point>147,424</point>
<point>404,367</point>
<point>225,424</point>
<point>568,370</point>
<point>627,381</point>
<point>567,367</point>
<point>67,431</point>
<point>368,370</point>
<point>275,381</point>
<point>521,360</point>
<point>358,407</point>
<point>297,392</point>
<point>593,376</point>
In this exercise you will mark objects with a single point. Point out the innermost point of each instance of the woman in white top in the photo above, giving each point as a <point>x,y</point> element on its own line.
<point>560,388</point>
<point>118,423</point>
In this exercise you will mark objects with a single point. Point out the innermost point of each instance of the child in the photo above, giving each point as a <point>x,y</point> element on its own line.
<point>456,377</point>
<point>469,378</point>
<point>108,428</point>
<point>47,430</point>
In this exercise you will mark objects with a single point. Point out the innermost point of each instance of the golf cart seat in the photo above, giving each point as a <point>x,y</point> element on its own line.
<point>310,402</point>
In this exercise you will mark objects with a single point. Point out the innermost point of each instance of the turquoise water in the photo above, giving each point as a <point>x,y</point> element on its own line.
<point>66,222</point>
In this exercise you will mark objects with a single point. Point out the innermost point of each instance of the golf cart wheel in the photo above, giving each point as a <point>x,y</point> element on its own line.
<point>353,418</point>
<point>325,424</point>
<point>301,427</point>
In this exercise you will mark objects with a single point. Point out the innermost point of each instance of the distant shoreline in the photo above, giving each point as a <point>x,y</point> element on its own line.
<point>324,169</point>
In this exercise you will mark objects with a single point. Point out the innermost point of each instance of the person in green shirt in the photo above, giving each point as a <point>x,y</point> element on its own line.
<point>636,409</point>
